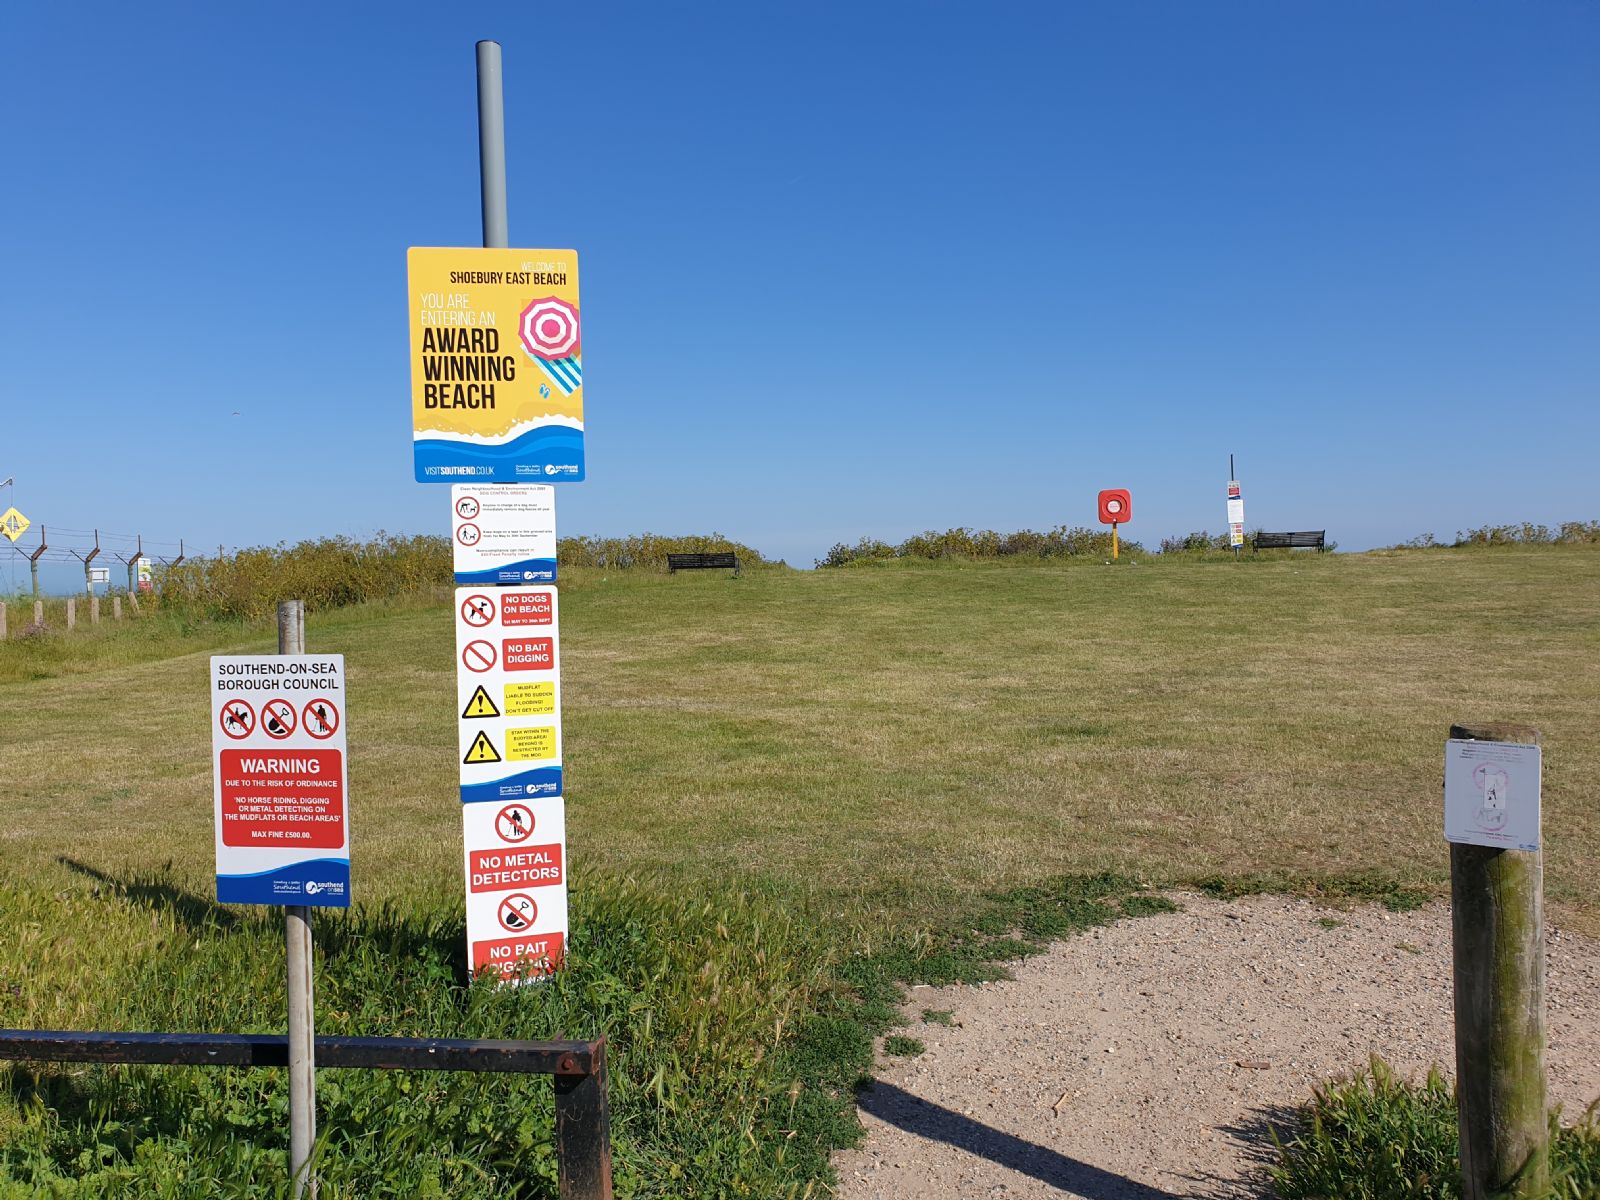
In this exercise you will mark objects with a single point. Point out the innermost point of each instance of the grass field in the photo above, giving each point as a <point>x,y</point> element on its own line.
<point>861,758</point>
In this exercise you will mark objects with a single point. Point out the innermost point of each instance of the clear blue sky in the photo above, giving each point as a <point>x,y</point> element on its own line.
<point>846,269</point>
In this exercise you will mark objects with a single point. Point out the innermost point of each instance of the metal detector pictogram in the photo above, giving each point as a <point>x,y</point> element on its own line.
<point>321,717</point>
<point>514,823</point>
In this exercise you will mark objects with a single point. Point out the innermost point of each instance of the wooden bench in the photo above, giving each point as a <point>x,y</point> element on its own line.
<point>702,562</point>
<point>1309,539</point>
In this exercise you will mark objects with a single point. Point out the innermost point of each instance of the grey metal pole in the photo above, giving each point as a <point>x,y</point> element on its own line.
<point>302,1023</point>
<point>492,145</point>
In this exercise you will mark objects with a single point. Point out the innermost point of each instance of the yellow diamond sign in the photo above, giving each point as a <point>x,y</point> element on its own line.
<point>13,524</point>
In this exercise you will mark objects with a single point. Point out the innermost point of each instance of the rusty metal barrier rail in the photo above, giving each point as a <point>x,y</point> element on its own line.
<point>583,1126</point>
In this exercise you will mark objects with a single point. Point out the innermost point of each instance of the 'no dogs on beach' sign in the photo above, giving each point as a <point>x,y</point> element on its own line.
<point>278,763</point>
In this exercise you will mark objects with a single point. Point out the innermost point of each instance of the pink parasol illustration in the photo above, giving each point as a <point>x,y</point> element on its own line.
<point>549,329</point>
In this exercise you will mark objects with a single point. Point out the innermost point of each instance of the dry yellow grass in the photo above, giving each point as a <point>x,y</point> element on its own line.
<point>891,739</point>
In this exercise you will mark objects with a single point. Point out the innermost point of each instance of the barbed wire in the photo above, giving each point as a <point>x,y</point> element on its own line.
<point>107,533</point>
<point>154,548</point>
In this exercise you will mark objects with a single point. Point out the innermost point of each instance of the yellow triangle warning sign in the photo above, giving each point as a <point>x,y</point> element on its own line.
<point>480,705</point>
<point>482,750</point>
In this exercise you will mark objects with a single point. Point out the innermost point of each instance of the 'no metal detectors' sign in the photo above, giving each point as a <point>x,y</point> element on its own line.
<point>278,759</point>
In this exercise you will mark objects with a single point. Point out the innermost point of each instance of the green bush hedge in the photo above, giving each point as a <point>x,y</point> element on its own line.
<point>332,572</point>
<point>1568,533</point>
<point>961,543</point>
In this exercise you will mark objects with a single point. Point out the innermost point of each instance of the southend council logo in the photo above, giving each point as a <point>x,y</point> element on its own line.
<point>334,889</point>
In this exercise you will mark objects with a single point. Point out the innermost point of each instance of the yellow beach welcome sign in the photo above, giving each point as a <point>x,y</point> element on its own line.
<point>496,365</point>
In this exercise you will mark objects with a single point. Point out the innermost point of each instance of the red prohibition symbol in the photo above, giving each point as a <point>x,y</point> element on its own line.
<point>278,719</point>
<point>238,719</point>
<point>468,534</point>
<point>467,507</point>
<point>478,656</point>
<point>514,823</point>
<point>477,610</point>
<point>517,912</point>
<point>321,717</point>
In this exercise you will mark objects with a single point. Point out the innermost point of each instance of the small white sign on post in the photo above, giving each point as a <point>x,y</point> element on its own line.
<point>278,763</point>
<point>1491,794</point>
<point>508,681</point>
<point>503,533</point>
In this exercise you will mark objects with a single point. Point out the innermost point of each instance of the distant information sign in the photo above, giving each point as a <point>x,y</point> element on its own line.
<point>1491,793</point>
<point>278,751</point>
<point>1235,514</point>
<point>496,365</point>
<point>504,534</point>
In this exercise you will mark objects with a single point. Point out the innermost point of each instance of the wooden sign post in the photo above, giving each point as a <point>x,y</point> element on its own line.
<point>1497,919</point>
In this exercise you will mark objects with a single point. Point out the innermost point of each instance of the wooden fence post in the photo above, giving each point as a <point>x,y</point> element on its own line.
<point>94,610</point>
<point>116,608</point>
<point>133,603</point>
<point>2,620</point>
<point>38,612</point>
<point>72,612</point>
<point>1497,919</point>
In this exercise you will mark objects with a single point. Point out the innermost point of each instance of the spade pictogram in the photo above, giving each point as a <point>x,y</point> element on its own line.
<point>238,719</point>
<point>517,912</point>
<point>278,719</point>
<point>514,823</point>
<point>482,750</point>
<point>480,705</point>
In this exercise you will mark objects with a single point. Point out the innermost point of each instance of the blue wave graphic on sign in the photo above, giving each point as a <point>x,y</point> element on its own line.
<point>520,785</point>
<point>544,454</point>
<point>527,570</point>
<point>320,883</point>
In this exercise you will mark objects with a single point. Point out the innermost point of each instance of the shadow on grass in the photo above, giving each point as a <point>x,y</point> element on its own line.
<point>1252,1138</point>
<point>385,931</point>
<point>927,1120</point>
<point>197,913</point>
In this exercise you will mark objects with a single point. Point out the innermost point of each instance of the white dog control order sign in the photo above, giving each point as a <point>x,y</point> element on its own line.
<point>1491,794</point>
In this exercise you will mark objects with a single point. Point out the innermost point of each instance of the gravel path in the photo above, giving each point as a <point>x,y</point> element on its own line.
<point>1145,1060</point>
